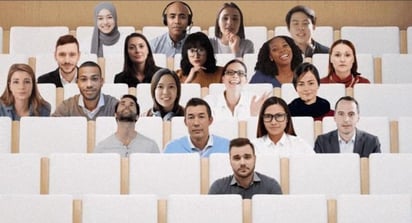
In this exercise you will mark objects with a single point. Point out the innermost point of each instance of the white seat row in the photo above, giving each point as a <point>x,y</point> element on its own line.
<point>204,209</point>
<point>79,174</point>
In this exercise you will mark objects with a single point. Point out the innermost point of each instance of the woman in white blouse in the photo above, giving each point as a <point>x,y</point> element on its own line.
<point>275,132</point>
<point>234,102</point>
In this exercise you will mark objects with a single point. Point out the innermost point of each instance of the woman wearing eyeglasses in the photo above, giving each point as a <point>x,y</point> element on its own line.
<point>275,132</point>
<point>198,64</point>
<point>233,102</point>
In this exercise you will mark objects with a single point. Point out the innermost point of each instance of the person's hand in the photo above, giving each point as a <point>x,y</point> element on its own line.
<point>192,73</point>
<point>257,102</point>
<point>234,41</point>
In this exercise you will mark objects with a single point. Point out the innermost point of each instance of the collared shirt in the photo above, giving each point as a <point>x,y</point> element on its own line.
<point>89,113</point>
<point>346,147</point>
<point>164,44</point>
<point>221,110</point>
<point>261,184</point>
<point>286,146</point>
<point>201,151</point>
<point>64,81</point>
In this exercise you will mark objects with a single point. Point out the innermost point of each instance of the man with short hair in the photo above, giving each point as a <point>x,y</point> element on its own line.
<point>126,139</point>
<point>301,23</point>
<point>67,56</point>
<point>244,180</point>
<point>90,103</point>
<point>347,138</point>
<point>177,16</point>
<point>198,118</point>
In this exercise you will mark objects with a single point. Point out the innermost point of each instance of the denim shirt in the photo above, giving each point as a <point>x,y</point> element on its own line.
<point>10,112</point>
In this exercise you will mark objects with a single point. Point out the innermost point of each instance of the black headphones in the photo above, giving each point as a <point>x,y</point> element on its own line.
<point>189,20</point>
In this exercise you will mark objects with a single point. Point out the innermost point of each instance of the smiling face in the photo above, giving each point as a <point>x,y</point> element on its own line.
<point>276,126</point>
<point>307,87</point>
<point>242,160</point>
<point>67,56</point>
<point>90,83</point>
<point>342,59</point>
<point>229,21</point>
<point>21,85</point>
<point>234,76</point>
<point>137,50</point>
<point>166,92</point>
<point>105,21</point>
<point>301,28</point>
<point>280,51</point>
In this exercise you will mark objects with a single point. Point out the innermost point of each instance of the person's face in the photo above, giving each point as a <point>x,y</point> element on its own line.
<point>67,56</point>
<point>137,50</point>
<point>197,56</point>
<point>105,21</point>
<point>342,58</point>
<point>198,121</point>
<point>307,87</point>
<point>234,76</point>
<point>242,161</point>
<point>21,85</point>
<point>301,28</point>
<point>166,92</point>
<point>89,82</point>
<point>126,110</point>
<point>275,125</point>
<point>229,21</point>
<point>346,117</point>
<point>177,17</point>
<point>280,51</point>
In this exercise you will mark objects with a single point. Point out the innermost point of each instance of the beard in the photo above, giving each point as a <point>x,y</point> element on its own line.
<point>124,116</point>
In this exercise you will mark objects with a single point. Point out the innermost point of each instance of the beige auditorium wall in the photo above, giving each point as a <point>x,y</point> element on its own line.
<point>267,13</point>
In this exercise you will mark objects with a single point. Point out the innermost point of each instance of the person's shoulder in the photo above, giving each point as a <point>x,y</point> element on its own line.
<point>48,77</point>
<point>363,80</point>
<point>176,145</point>
<point>319,48</point>
<point>110,99</point>
<point>365,134</point>
<point>220,139</point>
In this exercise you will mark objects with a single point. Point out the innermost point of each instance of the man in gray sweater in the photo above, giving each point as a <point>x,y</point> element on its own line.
<point>90,103</point>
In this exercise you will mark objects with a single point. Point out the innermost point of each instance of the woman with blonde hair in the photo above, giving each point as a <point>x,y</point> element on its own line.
<point>21,96</point>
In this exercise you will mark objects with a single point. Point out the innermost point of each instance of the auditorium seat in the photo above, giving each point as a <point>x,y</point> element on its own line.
<point>409,39</point>
<point>42,39</point>
<point>250,60</point>
<point>383,99</point>
<point>18,208</point>
<point>404,133</point>
<point>322,34</point>
<point>46,135</point>
<point>80,174</point>
<point>365,65</point>
<point>106,126</point>
<point>5,136</point>
<point>20,174</point>
<point>218,127</point>
<point>6,60</point>
<point>375,40</point>
<point>219,166</point>
<point>84,35</point>
<point>331,92</point>
<point>390,173</point>
<point>151,32</point>
<point>374,208</point>
<point>164,174</point>
<point>119,208</point>
<point>46,63</point>
<point>329,174</point>
<point>396,68</point>
<point>289,208</point>
<point>48,92</point>
<point>378,126</point>
<point>204,208</point>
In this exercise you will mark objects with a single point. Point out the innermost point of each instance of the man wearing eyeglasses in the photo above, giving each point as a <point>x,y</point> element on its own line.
<point>347,138</point>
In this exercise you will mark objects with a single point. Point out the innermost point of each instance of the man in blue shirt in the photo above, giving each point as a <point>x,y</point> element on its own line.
<point>198,118</point>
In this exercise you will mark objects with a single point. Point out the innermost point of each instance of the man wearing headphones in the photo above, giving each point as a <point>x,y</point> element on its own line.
<point>177,16</point>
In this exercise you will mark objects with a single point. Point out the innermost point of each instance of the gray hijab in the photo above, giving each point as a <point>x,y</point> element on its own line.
<point>99,38</point>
